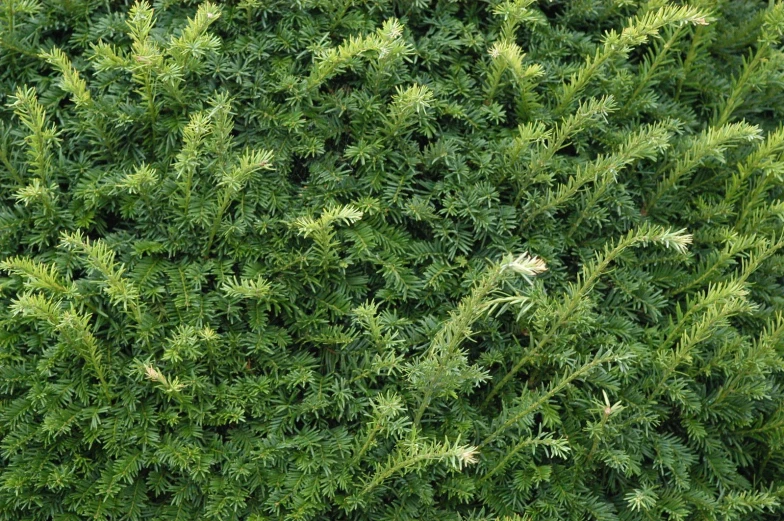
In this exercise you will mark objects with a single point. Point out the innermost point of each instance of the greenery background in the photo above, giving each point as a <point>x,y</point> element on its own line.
<point>334,259</point>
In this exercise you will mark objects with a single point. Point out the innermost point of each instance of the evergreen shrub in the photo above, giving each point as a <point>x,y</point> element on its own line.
<point>391,260</point>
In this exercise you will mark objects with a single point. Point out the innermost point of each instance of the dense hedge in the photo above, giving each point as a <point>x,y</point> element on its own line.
<point>391,259</point>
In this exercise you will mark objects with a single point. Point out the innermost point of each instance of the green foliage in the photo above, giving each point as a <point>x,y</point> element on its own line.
<point>432,259</point>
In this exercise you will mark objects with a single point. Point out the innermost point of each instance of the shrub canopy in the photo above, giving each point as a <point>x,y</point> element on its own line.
<point>412,260</point>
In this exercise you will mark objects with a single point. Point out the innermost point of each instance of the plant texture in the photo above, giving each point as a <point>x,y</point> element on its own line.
<point>391,260</point>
